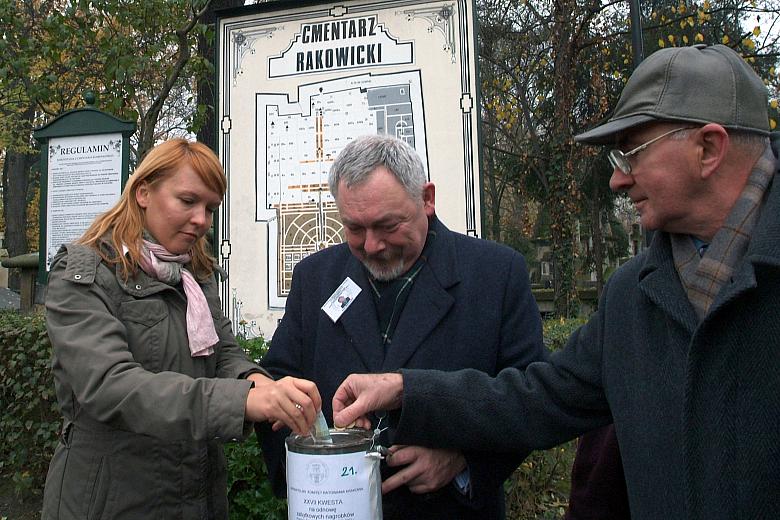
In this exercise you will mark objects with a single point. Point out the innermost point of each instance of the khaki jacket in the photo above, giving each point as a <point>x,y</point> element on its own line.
<point>144,421</point>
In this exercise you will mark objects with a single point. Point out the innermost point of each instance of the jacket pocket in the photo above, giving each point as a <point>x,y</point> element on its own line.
<point>55,484</point>
<point>77,485</point>
<point>146,324</point>
<point>98,491</point>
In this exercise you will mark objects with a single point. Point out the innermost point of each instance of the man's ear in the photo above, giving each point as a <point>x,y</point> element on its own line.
<point>429,198</point>
<point>714,142</point>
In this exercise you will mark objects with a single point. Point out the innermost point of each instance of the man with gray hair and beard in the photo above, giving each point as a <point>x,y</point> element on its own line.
<point>411,294</point>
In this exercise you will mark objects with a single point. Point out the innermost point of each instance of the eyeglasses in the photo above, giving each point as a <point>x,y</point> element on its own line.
<point>619,159</point>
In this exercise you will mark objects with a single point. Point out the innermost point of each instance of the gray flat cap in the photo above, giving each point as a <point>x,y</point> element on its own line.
<point>699,84</point>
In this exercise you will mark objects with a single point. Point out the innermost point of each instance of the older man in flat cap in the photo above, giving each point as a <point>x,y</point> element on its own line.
<point>684,352</point>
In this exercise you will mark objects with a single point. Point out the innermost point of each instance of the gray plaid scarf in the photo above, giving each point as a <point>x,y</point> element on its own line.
<point>704,276</point>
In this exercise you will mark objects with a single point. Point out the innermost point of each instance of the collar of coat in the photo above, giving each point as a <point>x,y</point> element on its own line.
<point>430,303</point>
<point>658,277</point>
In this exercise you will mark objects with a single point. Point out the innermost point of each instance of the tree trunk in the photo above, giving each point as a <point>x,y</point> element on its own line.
<point>495,197</point>
<point>16,182</point>
<point>207,134</point>
<point>562,195</point>
<point>492,190</point>
<point>597,236</point>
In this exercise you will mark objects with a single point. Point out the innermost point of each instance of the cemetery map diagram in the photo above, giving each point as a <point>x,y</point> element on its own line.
<point>297,142</point>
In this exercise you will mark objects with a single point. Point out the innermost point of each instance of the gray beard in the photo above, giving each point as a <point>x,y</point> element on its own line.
<point>386,274</point>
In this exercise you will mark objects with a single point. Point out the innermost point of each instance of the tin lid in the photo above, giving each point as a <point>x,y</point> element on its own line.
<point>344,441</point>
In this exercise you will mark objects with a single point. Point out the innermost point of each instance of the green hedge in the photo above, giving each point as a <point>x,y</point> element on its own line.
<point>249,489</point>
<point>30,422</point>
<point>539,488</point>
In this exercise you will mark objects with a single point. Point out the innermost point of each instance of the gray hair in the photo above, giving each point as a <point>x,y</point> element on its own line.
<point>752,141</point>
<point>358,160</point>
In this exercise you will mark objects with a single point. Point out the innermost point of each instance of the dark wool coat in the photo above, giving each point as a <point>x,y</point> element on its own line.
<point>696,406</point>
<point>144,421</point>
<point>470,306</point>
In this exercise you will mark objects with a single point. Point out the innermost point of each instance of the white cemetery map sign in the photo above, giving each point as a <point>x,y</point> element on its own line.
<point>298,84</point>
<point>298,143</point>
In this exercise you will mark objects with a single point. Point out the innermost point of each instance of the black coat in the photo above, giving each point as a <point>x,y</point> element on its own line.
<point>696,406</point>
<point>470,306</point>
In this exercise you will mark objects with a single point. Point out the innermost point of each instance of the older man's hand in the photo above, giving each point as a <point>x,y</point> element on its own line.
<point>361,394</point>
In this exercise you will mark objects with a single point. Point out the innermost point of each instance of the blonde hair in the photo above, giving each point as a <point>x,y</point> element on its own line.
<point>125,221</point>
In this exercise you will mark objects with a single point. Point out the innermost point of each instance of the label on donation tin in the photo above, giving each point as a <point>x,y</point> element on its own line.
<point>331,486</point>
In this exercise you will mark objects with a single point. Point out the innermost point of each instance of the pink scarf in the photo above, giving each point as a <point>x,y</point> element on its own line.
<point>158,263</point>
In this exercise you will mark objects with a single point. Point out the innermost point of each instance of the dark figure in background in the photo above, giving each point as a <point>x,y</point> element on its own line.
<point>598,486</point>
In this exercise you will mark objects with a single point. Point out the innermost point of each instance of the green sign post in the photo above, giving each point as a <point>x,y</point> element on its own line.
<point>85,159</point>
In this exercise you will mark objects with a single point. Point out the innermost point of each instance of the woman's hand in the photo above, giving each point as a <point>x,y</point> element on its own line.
<point>290,401</point>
